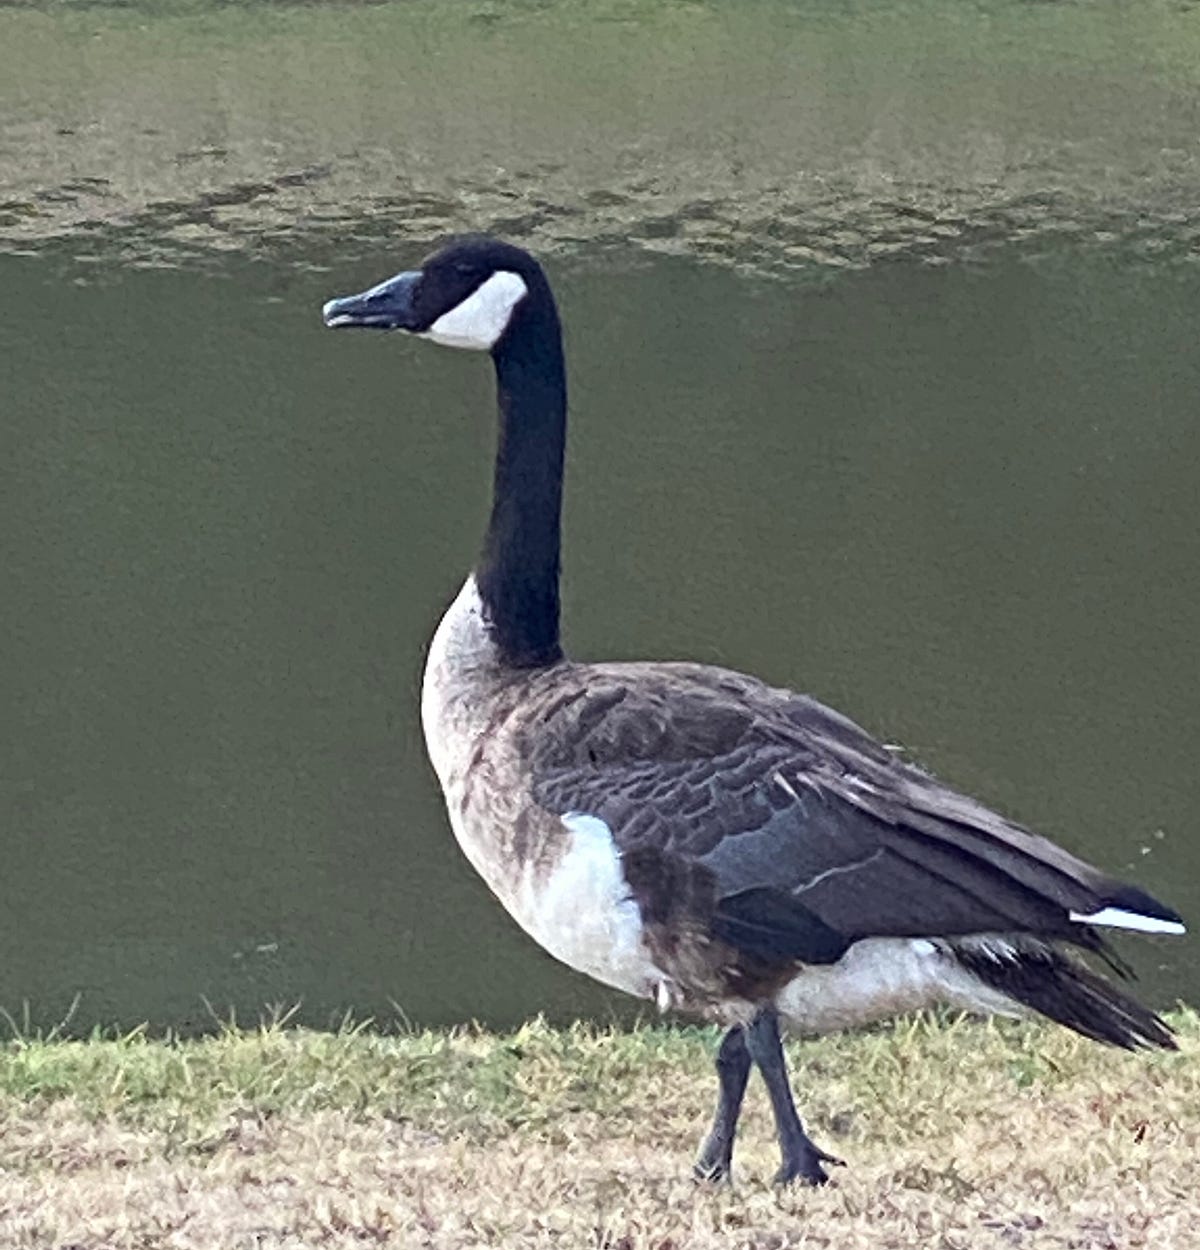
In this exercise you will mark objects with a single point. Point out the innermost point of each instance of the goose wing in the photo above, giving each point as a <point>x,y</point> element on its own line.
<point>786,829</point>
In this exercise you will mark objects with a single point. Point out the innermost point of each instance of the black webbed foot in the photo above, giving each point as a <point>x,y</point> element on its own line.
<point>709,1171</point>
<point>805,1165</point>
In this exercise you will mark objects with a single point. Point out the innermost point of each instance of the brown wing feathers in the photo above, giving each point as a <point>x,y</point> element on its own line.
<point>806,827</point>
<point>904,795</point>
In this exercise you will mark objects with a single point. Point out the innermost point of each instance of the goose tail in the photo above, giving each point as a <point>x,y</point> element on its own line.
<point>1056,985</point>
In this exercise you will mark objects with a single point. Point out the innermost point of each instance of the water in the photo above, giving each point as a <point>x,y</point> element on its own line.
<point>884,365</point>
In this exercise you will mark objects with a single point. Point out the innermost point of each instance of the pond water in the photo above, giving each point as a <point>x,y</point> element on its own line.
<point>884,364</point>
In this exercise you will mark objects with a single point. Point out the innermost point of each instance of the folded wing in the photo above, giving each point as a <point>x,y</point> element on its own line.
<point>798,832</point>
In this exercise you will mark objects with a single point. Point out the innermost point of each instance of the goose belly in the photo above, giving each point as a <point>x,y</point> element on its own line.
<point>881,977</point>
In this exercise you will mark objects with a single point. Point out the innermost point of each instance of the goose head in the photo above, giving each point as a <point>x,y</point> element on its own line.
<point>468,294</point>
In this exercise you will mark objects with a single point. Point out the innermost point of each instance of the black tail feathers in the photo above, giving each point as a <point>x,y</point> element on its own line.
<point>1059,986</point>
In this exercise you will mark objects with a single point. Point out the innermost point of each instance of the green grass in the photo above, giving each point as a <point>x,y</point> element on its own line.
<point>471,1080</point>
<point>987,1133</point>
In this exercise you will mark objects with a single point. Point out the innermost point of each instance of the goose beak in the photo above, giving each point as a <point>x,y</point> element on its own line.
<point>388,306</point>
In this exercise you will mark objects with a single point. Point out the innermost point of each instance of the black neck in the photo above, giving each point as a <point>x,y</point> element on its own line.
<point>517,574</point>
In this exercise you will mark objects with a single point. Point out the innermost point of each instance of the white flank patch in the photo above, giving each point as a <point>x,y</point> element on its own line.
<point>483,316</point>
<point>585,916</point>
<point>881,977</point>
<point>1118,918</point>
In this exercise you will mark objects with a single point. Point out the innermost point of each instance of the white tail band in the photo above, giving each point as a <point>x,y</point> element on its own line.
<point>1118,918</point>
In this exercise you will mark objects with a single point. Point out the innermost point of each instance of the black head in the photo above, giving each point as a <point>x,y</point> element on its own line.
<point>466,294</point>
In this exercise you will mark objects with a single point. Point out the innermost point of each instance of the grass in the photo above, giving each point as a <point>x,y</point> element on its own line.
<point>959,1134</point>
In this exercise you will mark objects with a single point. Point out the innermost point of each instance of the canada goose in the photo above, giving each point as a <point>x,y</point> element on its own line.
<point>690,835</point>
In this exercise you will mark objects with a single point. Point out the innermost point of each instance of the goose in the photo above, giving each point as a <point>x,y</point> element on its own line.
<point>691,835</point>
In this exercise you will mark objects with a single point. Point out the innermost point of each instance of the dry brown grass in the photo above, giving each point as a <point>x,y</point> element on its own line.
<point>959,1134</point>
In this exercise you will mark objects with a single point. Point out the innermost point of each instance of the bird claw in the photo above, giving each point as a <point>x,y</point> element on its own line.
<point>706,1173</point>
<point>806,1166</point>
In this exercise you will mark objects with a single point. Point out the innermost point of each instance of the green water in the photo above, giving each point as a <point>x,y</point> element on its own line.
<point>882,333</point>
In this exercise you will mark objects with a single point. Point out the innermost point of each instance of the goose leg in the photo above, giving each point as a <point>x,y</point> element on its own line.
<point>733,1071</point>
<point>800,1157</point>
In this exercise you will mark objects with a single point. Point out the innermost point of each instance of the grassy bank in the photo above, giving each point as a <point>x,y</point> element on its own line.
<point>958,1134</point>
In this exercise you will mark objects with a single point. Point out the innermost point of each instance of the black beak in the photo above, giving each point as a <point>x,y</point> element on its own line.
<point>388,306</point>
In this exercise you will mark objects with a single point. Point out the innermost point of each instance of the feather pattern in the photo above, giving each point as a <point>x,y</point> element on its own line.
<point>796,814</point>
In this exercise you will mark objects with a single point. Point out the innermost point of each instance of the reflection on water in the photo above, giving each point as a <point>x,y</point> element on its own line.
<point>959,500</point>
<point>774,135</point>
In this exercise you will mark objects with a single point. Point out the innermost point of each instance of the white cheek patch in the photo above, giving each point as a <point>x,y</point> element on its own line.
<point>483,316</point>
